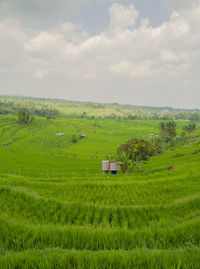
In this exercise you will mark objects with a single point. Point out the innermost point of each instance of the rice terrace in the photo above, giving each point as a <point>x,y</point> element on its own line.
<point>58,208</point>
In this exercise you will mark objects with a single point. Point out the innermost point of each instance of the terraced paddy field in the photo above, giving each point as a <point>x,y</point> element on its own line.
<point>59,211</point>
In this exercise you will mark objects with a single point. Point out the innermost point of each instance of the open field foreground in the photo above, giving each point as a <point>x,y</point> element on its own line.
<point>59,211</point>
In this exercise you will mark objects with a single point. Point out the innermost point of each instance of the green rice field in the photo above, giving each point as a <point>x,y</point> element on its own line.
<point>58,210</point>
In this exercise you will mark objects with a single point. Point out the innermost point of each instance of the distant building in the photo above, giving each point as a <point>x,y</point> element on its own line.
<point>82,136</point>
<point>60,134</point>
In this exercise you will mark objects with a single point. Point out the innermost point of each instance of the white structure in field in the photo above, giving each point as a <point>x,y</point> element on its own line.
<point>112,166</point>
<point>82,136</point>
<point>105,166</point>
<point>60,134</point>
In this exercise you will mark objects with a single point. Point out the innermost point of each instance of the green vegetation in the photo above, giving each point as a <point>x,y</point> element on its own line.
<point>24,118</point>
<point>133,152</point>
<point>58,210</point>
<point>190,128</point>
<point>168,131</point>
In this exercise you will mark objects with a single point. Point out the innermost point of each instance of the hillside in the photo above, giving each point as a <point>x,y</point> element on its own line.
<point>59,211</point>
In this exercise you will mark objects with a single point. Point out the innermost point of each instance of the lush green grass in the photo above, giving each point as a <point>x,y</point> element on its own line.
<point>59,211</point>
<point>58,258</point>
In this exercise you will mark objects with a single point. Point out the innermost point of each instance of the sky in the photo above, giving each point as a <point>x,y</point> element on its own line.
<point>130,52</point>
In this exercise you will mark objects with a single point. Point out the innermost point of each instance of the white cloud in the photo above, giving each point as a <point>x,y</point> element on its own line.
<point>122,17</point>
<point>12,39</point>
<point>168,56</point>
<point>138,69</point>
<point>145,61</point>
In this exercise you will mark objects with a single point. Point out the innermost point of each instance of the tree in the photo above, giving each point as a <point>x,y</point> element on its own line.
<point>195,117</point>
<point>135,150</point>
<point>168,131</point>
<point>51,113</point>
<point>24,118</point>
<point>190,128</point>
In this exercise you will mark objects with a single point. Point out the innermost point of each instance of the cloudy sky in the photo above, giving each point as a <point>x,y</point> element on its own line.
<point>142,52</point>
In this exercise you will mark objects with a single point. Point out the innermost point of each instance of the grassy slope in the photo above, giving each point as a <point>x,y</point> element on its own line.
<point>59,211</point>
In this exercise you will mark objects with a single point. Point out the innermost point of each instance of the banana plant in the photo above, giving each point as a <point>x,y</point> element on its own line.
<point>125,162</point>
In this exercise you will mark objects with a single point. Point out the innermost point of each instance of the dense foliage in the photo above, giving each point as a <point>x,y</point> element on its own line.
<point>135,150</point>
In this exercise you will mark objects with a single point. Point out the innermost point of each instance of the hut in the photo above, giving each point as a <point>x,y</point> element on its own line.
<point>112,166</point>
<point>60,134</point>
<point>105,167</point>
<point>82,136</point>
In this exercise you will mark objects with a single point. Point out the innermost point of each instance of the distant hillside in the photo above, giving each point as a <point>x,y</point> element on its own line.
<point>64,108</point>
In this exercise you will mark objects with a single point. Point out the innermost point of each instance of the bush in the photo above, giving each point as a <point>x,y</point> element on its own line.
<point>24,118</point>
<point>74,139</point>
